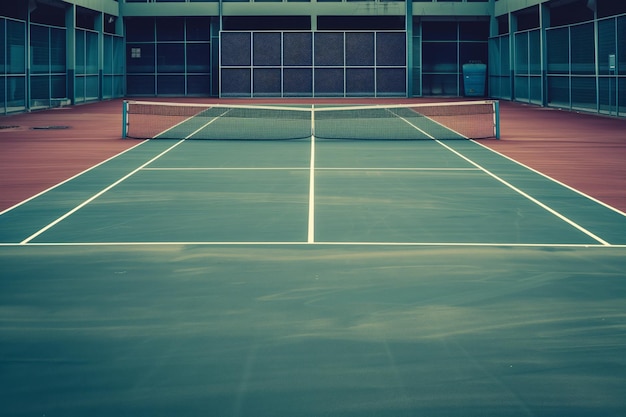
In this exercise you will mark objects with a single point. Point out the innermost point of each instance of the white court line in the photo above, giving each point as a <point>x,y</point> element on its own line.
<point>304,169</point>
<point>301,243</point>
<point>528,196</point>
<point>228,169</point>
<point>311,219</point>
<point>71,178</point>
<point>553,180</point>
<point>89,200</point>
<point>512,187</point>
<point>92,198</point>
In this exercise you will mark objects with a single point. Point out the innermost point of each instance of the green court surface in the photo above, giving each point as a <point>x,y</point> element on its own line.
<point>312,278</point>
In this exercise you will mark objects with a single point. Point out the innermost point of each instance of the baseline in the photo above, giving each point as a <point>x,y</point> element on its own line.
<point>322,243</point>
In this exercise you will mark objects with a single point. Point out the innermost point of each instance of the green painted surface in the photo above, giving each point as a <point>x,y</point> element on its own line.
<point>491,305</point>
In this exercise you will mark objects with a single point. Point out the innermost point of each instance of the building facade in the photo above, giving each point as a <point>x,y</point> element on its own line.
<point>561,53</point>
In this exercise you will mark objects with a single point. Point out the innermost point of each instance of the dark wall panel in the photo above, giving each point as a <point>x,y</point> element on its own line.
<point>236,48</point>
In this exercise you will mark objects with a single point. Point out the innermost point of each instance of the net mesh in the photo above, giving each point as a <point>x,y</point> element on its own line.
<point>442,121</point>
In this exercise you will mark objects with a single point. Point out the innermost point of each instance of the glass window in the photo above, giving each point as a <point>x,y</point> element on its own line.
<point>2,54</point>
<point>40,87</point>
<point>107,65</point>
<point>171,57</point>
<point>39,49</point>
<point>57,50</point>
<point>440,84</point>
<point>557,43</point>
<point>534,52</point>
<point>170,29</point>
<point>198,29</point>
<point>583,55</point>
<point>472,52</point>
<point>198,57</point>
<point>473,31</point>
<point>439,31</point>
<point>16,47</point>
<point>621,50</point>
<point>521,53</point>
<point>198,85</point>
<point>3,103</point>
<point>584,92</point>
<point>606,44</point>
<point>91,44</point>
<point>140,85</point>
<point>140,57</point>
<point>171,84</point>
<point>439,57</point>
<point>140,29</point>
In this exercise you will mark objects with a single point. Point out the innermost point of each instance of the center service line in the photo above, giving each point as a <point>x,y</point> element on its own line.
<point>311,235</point>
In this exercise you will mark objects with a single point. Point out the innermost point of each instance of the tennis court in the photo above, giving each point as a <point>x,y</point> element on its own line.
<point>312,277</point>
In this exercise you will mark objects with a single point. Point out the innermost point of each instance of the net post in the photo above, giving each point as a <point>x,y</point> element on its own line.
<point>496,118</point>
<point>124,119</point>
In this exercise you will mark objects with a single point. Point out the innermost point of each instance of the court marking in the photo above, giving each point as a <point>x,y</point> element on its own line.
<point>528,196</point>
<point>303,169</point>
<point>92,198</point>
<point>321,243</point>
<point>71,178</point>
<point>587,196</point>
<point>311,220</point>
<point>312,169</point>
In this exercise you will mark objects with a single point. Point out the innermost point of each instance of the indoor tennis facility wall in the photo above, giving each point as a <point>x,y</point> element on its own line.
<point>558,54</point>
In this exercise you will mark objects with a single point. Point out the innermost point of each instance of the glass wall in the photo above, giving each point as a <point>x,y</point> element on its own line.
<point>576,79</point>
<point>86,81</point>
<point>47,65</point>
<point>12,65</point>
<point>416,65</point>
<point>583,65</point>
<point>113,67</point>
<point>619,73</point>
<point>445,47</point>
<point>169,56</point>
<point>499,67</point>
<point>34,72</point>
<point>527,67</point>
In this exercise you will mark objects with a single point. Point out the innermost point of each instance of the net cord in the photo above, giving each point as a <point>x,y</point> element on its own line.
<point>308,108</point>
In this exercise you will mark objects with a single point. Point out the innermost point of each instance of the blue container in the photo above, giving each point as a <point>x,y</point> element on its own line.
<point>474,79</point>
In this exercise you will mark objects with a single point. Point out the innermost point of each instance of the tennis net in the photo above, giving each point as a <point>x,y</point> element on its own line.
<point>441,121</point>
